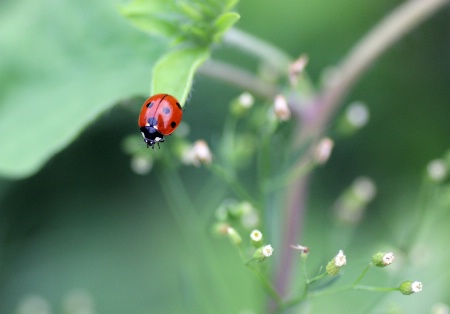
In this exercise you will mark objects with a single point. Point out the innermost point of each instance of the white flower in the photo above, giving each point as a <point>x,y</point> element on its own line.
<point>340,259</point>
<point>281,108</point>
<point>388,258</point>
<point>256,235</point>
<point>416,286</point>
<point>197,154</point>
<point>323,150</point>
<point>267,250</point>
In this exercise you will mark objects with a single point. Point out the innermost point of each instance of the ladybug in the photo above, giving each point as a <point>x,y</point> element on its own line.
<point>160,115</point>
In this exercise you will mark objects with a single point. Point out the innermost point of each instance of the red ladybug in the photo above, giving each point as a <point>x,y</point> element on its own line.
<point>160,115</point>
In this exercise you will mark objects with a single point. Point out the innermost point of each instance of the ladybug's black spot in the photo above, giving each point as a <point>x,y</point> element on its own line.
<point>173,124</point>
<point>179,106</point>
<point>152,121</point>
<point>166,110</point>
<point>150,104</point>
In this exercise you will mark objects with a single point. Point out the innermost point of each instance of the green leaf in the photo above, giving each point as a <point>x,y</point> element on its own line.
<point>230,4</point>
<point>155,17</point>
<point>61,69</point>
<point>224,23</point>
<point>173,74</point>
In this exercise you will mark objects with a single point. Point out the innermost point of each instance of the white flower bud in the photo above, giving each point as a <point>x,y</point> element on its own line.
<point>357,114</point>
<point>437,170</point>
<point>323,150</point>
<point>281,108</point>
<point>199,153</point>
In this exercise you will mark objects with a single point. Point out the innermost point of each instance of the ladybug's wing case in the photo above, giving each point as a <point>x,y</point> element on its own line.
<point>149,108</point>
<point>168,115</point>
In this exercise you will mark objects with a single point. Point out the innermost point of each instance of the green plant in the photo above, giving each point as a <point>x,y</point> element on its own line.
<point>256,175</point>
<point>262,129</point>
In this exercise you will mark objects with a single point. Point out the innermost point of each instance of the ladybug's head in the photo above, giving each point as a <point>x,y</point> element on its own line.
<point>151,136</point>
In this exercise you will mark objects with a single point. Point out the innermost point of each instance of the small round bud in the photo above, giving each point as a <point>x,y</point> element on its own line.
<point>141,165</point>
<point>246,100</point>
<point>297,68</point>
<point>357,115</point>
<point>364,188</point>
<point>234,236</point>
<point>336,263</point>
<point>410,287</point>
<point>437,170</point>
<point>220,229</point>
<point>323,150</point>
<point>381,259</point>
<point>351,205</point>
<point>281,108</point>
<point>197,154</point>
<point>249,217</point>
<point>242,104</point>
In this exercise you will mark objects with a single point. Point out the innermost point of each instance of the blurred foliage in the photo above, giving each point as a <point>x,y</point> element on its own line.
<point>195,25</point>
<point>85,227</point>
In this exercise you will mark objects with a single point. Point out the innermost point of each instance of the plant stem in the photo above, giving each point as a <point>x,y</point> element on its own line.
<point>233,183</point>
<point>402,20</point>
<point>239,77</point>
<point>293,228</point>
<point>379,289</point>
<point>313,280</point>
<point>321,109</point>
<point>267,52</point>
<point>267,285</point>
<point>362,275</point>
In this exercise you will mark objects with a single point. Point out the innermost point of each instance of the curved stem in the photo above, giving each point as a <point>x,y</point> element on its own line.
<point>320,111</point>
<point>276,57</point>
<point>239,77</point>
<point>361,276</point>
<point>381,37</point>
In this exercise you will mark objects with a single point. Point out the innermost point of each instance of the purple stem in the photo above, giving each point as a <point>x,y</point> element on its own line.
<point>294,219</point>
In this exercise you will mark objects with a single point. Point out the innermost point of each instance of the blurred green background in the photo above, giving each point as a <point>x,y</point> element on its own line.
<point>85,228</point>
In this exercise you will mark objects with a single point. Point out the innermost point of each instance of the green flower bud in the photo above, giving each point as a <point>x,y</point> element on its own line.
<point>220,229</point>
<point>336,263</point>
<point>242,104</point>
<point>381,259</point>
<point>234,236</point>
<point>262,253</point>
<point>410,287</point>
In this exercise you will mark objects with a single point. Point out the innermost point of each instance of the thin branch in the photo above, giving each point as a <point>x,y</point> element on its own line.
<point>402,20</point>
<point>393,27</point>
<point>239,77</point>
<point>267,52</point>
